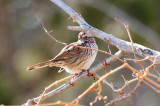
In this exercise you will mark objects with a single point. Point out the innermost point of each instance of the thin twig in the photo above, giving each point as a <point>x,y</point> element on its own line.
<point>50,86</point>
<point>158,91</point>
<point>125,95</point>
<point>139,75</point>
<point>132,43</point>
<point>97,82</point>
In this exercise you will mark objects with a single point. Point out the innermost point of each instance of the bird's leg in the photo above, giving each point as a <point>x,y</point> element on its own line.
<point>89,74</point>
<point>75,75</point>
<point>72,84</point>
<point>93,75</point>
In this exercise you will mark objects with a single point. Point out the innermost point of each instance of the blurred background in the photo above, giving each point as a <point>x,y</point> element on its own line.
<point>23,42</point>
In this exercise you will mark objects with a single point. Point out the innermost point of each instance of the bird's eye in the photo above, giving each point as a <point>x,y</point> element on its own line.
<point>68,51</point>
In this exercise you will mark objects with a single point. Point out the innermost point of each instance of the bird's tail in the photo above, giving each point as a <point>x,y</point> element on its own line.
<point>39,65</point>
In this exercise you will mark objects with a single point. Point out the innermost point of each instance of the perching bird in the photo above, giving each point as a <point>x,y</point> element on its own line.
<point>73,59</point>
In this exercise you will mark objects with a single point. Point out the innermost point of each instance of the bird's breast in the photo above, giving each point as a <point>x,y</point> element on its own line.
<point>83,61</point>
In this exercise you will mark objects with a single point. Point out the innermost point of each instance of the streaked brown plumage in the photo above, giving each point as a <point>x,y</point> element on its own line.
<point>73,59</point>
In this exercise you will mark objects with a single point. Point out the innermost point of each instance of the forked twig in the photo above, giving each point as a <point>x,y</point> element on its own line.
<point>97,82</point>
<point>130,38</point>
<point>125,95</point>
<point>50,86</point>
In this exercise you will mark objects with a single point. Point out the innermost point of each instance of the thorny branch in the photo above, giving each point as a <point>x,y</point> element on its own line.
<point>124,47</point>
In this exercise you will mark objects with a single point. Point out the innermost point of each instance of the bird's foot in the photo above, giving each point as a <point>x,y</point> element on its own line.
<point>72,84</point>
<point>93,75</point>
<point>75,75</point>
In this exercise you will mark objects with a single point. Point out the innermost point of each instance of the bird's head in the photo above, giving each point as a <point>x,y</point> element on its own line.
<point>85,37</point>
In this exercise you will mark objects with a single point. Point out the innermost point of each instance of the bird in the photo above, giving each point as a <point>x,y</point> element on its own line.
<point>72,58</point>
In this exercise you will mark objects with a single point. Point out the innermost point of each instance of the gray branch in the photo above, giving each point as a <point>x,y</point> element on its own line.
<point>123,45</point>
<point>114,12</point>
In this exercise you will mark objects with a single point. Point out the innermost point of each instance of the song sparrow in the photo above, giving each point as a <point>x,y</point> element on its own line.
<point>73,59</point>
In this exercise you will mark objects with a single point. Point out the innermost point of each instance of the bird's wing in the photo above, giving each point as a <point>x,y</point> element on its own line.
<point>68,52</point>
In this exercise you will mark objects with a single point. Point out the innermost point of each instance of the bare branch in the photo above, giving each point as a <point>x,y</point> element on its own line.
<point>120,44</point>
<point>97,82</point>
<point>112,11</point>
